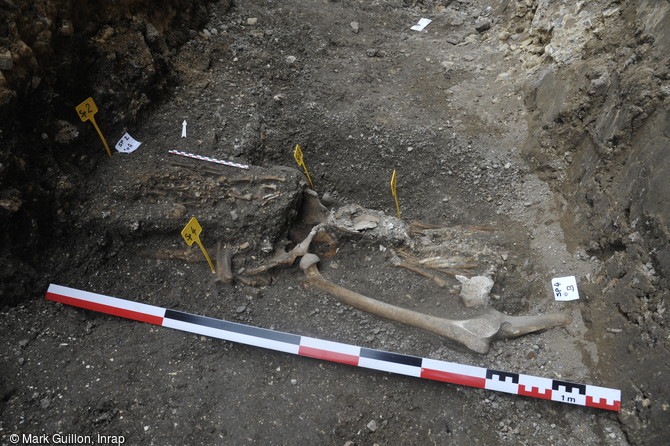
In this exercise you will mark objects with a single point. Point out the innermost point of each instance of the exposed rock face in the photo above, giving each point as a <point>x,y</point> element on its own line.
<point>53,55</point>
<point>600,133</point>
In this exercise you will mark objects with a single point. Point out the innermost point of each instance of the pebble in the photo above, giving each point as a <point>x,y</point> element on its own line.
<point>372,426</point>
<point>290,59</point>
<point>294,381</point>
<point>23,343</point>
<point>371,52</point>
<point>22,361</point>
<point>214,31</point>
<point>252,21</point>
<point>354,27</point>
<point>482,25</point>
<point>240,309</point>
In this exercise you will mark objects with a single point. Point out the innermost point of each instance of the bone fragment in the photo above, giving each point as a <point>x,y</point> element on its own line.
<point>434,277</point>
<point>514,326</point>
<point>187,255</point>
<point>287,258</point>
<point>475,291</point>
<point>224,264</point>
<point>476,333</point>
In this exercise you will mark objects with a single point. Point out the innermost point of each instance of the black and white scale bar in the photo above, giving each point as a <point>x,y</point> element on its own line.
<point>515,383</point>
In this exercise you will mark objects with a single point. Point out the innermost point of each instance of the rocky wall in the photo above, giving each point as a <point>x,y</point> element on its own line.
<point>599,130</point>
<point>53,55</point>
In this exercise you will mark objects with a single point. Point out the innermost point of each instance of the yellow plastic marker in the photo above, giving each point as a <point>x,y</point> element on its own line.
<point>191,234</point>
<point>87,111</point>
<point>393,191</point>
<point>301,162</point>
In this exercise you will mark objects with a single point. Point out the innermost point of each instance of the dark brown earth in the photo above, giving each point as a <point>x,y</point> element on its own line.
<point>549,130</point>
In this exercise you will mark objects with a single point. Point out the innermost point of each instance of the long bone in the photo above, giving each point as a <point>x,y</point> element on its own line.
<point>476,333</point>
<point>287,258</point>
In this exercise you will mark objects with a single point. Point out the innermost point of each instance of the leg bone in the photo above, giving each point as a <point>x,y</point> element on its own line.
<point>476,334</point>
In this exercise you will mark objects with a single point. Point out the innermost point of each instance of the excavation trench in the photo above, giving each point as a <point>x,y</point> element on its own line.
<point>472,137</point>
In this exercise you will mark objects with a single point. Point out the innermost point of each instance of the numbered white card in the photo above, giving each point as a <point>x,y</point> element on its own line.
<point>421,25</point>
<point>565,288</point>
<point>127,144</point>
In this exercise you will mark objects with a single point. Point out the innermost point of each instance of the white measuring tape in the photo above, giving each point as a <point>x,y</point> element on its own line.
<point>211,160</point>
<point>515,383</point>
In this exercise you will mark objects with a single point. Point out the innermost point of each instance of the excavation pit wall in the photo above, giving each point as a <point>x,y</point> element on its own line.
<point>599,134</point>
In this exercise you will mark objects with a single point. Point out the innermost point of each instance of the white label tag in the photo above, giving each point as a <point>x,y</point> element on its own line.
<point>127,144</point>
<point>565,288</point>
<point>421,25</point>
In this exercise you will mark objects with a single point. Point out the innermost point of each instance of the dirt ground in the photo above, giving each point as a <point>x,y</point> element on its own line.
<point>453,110</point>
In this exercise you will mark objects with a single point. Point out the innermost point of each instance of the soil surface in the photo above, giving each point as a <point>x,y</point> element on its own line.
<point>452,111</point>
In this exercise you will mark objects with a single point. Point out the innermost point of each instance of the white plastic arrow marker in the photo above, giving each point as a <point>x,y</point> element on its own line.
<point>183,129</point>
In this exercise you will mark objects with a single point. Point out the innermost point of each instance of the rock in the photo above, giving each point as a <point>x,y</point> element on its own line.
<point>354,27</point>
<point>290,59</point>
<point>151,34</point>
<point>475,291</point>
<point>23,343</point>
<point>66,133</point>
<point>363,222</point>
<point>252,21</point>
<point>266,246</point>
<point>482,25</point>
<point>372,426</point>
<point>241,309</point>
<point>371,52</point>
<point>6,62</point>
<point>66,29</point>
<point>328,199</point>
<point>214,31</point>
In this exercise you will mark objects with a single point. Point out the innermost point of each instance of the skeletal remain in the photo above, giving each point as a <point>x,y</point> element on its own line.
<point>224,264</point>
<point>287,258</point>
<point>476,333</point>
<point>475,290</point>
<point>188,255</point>
<point>396,261</point>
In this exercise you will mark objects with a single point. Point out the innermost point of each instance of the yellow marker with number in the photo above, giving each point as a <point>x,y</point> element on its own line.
<point>191,234</point>
<point>297,154</point>
<point>86,111</point>
<point>394,192</point>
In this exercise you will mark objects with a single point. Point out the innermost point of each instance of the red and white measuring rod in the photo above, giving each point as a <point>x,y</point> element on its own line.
<point>515,383</point>
<point>211,160</point>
